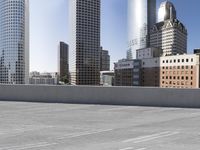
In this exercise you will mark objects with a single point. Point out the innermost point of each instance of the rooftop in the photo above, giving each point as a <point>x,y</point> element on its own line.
<point>43,126</point>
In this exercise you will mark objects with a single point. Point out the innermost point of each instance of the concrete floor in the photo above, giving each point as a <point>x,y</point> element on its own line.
<point>39,126</point>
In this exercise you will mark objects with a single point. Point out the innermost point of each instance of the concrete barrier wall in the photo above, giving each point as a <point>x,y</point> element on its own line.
<point>102,95</point>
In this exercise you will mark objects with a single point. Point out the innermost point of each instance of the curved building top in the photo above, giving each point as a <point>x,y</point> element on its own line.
<point>166,11</point>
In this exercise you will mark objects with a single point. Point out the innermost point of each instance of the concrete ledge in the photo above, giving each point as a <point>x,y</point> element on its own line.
<point>137,96</point>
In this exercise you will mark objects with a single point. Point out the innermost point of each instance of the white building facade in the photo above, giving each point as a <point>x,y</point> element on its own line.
<point>150,52</point>
<point>169,33</point>
<point>170,36</point>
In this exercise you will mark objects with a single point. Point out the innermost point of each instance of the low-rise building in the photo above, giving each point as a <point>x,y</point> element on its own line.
<point>178,71</point>
<point>107,78</point>
<point>127,72</point>
<point>150,75</point>
<point>150,52</point>
<point>44,78</point>
<point>181,71</point>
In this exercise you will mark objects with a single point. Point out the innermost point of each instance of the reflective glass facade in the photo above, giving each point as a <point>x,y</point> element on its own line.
<point>14,41</point>
<point>141,17</point>
<point>166,11</point>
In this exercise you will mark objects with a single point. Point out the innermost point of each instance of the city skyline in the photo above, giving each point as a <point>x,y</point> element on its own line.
<point>113,36</point>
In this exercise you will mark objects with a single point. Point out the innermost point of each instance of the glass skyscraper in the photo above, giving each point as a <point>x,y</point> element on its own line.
<point>14,41</point>
<point>141,17</point>
<point>85,41</point>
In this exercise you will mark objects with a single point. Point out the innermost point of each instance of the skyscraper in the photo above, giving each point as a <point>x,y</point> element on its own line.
<point>169,34</point>
<point>104,60</point>
<point>14,41</point>
<point>141,17</point>
<point>85,41</point>
<point>63,62</point>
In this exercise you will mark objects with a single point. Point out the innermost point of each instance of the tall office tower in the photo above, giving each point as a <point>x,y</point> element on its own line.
<point>141,17</point>
<point>170,34</point>
<point>63,62</point>
<point>14,41</point>
<point>85,41</point>
<point>104,60</point>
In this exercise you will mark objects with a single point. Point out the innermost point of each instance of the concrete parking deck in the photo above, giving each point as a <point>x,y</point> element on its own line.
<point>43,126</point>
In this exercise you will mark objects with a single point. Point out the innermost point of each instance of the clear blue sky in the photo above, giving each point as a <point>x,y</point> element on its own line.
<point>49,25</point>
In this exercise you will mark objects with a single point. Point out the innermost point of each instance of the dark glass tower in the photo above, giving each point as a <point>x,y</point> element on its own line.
<point>141,17</point>
<point>63,62</point>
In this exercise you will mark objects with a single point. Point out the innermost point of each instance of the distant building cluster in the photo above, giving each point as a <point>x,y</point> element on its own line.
<point>43,78</point>
<point>161,59</point>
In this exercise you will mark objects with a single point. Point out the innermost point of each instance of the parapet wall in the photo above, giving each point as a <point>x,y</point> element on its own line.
<point>102,95</point>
